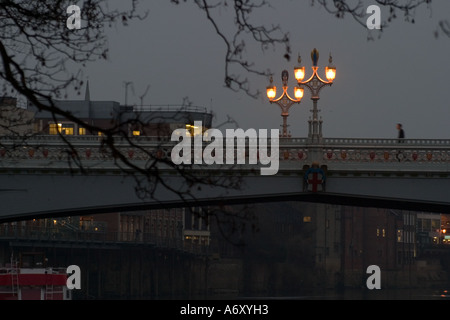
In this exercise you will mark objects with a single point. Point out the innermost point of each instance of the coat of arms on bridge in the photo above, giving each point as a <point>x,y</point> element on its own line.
<point>314,179</point>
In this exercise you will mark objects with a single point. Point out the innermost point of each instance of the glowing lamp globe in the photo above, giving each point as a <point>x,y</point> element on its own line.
<point>298,92</point>
<point>299,73</point>
<point>330,73</point>
<point>271,92</point>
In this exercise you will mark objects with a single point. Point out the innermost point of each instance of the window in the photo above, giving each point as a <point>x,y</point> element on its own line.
<point>62,128</point>
<point>67,131</point>
<point>426,225</point>
<point>408,219</point>
<point>435,224</point>
<point>81,131</point>
<point>399,235</point>
<point>384,232</point>
<point>193,130</point>
<point>136,133</point>
<point>54,128</point>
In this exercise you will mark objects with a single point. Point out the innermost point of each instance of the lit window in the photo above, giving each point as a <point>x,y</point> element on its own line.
<point>384,232</point>
<point>136,133</point>
<point>194,130</point>
<point>81,131</point>
<point>62,128</point>
<point>55,128</point>
<point>399,235</point>
<point>67,131</point>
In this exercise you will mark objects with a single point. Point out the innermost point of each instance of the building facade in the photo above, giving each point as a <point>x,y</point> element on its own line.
<point>119,119</point>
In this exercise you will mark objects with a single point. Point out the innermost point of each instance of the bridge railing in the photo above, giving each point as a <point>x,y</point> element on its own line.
<point>42,140</point>
<point>50,149</point>
<point>371,152</point>
<point>35,139</point>
<point>384,142</point>
<point>400,152</point>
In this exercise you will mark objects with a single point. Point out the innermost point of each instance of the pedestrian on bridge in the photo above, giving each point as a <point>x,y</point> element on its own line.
<point>401,133</point>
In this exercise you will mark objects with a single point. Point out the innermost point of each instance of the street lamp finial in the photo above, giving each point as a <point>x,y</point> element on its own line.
<point>315,57</point>
<point>285,77</point>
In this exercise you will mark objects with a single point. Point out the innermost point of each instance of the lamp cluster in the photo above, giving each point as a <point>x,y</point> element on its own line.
<point>315,83</point>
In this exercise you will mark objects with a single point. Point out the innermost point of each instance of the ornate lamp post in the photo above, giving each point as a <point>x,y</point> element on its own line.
<point>315,83</point>
<point>284,101</point>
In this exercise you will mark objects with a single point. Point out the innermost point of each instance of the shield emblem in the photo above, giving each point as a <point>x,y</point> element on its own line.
<point>130,154</point>
<point>343,155</point>
<point>429,156</point>
<point>415,156</point>
<point>300,155</point>
<point>329,154</point>
<point>45,153</point>
<point>386,155</point>
<point>31,153</point>
<point>372,155</point>
<point>88,153</point>
<point>314,180</point>
<point>286,155</point>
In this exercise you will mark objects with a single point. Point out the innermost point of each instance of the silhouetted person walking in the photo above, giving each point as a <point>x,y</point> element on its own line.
<point>401,133</point>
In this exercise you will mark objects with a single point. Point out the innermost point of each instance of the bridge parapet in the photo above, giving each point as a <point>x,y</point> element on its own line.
<point>374,151</point>
<point>384,142</point>
<point>294,153</point>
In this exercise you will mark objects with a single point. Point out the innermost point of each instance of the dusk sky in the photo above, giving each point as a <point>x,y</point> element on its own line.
<point>400,77</point>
